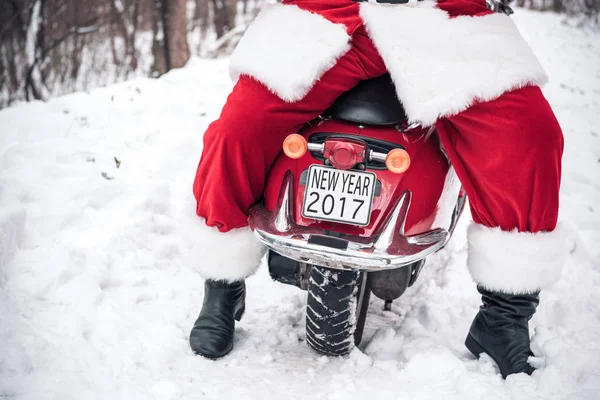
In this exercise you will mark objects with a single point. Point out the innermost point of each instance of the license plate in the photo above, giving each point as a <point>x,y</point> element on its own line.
<point>339,196</point>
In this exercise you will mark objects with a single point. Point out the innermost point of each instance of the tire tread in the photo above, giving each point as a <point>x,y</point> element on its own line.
<point>331,310</point>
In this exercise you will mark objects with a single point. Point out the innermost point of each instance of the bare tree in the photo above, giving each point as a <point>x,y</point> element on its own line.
<point>126,17</point>
<point>51,47</point>
<point>176,29</point>
<point>200,22</point>
<point>34,86</point>
<point>592,11</point>
<point>225,12</point>
<point>159,48</point>
<point>557,6</point>
<point>170,46</point>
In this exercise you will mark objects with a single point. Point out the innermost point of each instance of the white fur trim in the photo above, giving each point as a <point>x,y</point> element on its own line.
<point>515,262</point>
<point>288,49</point>
<point>227,256</point>
<point>441,65</point>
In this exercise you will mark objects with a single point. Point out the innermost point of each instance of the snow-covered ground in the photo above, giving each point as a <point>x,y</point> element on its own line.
<point>95,302</point>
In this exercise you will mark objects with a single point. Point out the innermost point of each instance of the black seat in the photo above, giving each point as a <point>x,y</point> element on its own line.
<point>372,102</point>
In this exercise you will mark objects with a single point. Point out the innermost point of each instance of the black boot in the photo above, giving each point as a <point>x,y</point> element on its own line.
<point>501,330</point>
<point>212,334</point>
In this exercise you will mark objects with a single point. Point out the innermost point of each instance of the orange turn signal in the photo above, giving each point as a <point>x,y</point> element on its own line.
<point>397,161</point>
<point>295,146</point>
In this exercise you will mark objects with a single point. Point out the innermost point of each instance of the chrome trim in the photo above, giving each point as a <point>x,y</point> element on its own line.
<point>377,156</point>
<point>388,249</point>
<point>284,205</point>
<point>412,126</point>
<point>500,6</point>
<point>316,147</point>
<point>386,238</point>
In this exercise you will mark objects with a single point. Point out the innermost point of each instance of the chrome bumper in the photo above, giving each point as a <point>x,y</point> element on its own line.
<point>388,249</point>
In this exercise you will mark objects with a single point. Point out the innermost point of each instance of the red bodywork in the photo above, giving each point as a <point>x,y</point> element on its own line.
<point>425,178</point>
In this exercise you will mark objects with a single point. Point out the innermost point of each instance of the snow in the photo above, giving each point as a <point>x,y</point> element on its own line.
<point>95,302</point>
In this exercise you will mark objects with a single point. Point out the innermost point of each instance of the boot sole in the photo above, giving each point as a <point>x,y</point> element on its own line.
<point>211,356</point>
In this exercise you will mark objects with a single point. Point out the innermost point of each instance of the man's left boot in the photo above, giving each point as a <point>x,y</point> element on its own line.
<point>510,269</point>
<point>501,330</point>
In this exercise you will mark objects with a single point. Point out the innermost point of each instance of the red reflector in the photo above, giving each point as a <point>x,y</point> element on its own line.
<point>344,153</point>
<point>342,158</point>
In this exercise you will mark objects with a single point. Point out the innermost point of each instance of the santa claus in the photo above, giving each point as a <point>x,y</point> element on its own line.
<point>456,64</point>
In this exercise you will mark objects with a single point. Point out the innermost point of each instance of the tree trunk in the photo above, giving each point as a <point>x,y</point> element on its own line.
<point>201,17</point>
<point>557,6</point>
<point>159,49</point>
<point>176,34</point>
<point>225,12</point>
<point>200,21</point>
<point>33,84</point>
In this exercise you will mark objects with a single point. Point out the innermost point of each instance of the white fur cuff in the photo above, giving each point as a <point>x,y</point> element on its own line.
<point>227,256</point>
<point>515,262</point>
<point>288,49</point>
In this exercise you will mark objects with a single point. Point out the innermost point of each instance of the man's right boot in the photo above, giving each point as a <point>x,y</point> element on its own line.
<point>213,331</point>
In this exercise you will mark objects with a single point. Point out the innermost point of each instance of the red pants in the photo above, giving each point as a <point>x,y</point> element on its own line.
<point>506,152</point>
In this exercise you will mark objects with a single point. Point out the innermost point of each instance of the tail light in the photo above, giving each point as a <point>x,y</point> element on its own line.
<point>397,161</point>
<point>344,153</point>
<point>295,146</point>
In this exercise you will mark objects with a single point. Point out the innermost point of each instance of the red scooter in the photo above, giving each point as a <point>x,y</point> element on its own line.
<point>353,205</point>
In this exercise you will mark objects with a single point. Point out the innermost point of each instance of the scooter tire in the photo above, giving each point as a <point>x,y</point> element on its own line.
<point>334,311</point>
